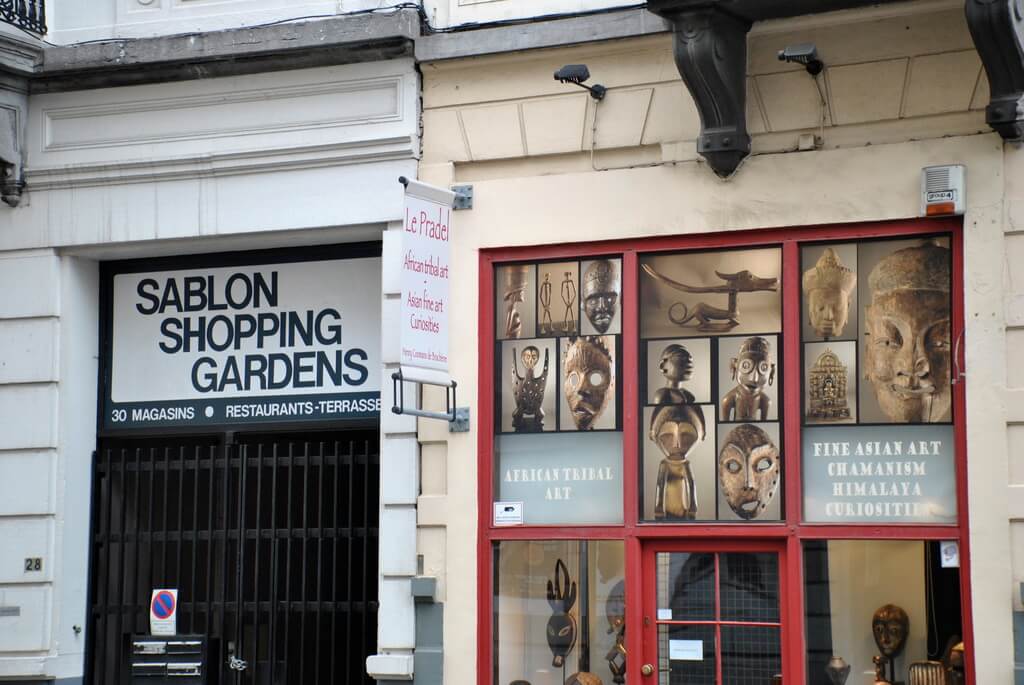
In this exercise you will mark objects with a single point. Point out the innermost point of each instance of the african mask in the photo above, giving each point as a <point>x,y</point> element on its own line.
<point>748,470</point>
<point>516,280</point>
<point>676,366</point>
<point>828,286</point>
<point>675,429</point>
<point>601,293</point>
<point>907,349</point>
<point>890,626</point>
<point>587,373</point>
<point>561,630</point>
<point>752,369</point>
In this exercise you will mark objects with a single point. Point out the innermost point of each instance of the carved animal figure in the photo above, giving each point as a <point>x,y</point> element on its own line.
<point>709,317</point>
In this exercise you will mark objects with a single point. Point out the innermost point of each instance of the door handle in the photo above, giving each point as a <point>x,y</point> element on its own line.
<point>647,669</point>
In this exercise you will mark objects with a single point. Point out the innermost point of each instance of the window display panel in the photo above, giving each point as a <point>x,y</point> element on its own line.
<point>876,358</point>
<point>710,326</point>
<point>557,372</point>
<point>882,610</point>
<point>559,612</point>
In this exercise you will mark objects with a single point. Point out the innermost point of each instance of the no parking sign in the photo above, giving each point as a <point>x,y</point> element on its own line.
<point>163,612</point>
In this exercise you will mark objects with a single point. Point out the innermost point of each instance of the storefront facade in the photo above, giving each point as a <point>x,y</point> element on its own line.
<point>671,482</point>
<point>193,355</point>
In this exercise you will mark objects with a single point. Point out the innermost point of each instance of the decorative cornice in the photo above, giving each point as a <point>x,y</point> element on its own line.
<point>997,27</point>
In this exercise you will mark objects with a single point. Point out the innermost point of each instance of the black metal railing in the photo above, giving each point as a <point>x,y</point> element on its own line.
<point>26,14</point>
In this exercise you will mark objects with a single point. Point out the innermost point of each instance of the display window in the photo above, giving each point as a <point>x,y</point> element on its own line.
<point>725,459</point>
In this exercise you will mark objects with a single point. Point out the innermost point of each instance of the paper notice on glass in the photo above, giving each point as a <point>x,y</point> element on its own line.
<point>686,650</point>
<point>508,513</point>
<point>664,614</point>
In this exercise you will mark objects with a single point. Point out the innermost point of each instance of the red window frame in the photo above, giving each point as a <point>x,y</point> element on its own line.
<point>791,531</point>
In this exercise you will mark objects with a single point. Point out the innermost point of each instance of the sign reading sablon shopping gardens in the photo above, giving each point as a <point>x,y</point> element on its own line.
<point>243,344</point>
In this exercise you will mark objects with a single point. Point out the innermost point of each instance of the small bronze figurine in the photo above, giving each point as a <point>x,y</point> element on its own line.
<point>709,318</point>
<point>601,293</point>
<point>569,299</point>
<point>675,429</point>
<point>907,348</point>
<point>561,630</point>
<point>676,366</point>
<point>880,671</point>
<point>828,285</point>
<point>587,379</point>
<point>528,391</point>
<point>748,470</point>
<point>752,368</point>
<point>516,280</point>
<point>827,385</point>
<point>544,296</point>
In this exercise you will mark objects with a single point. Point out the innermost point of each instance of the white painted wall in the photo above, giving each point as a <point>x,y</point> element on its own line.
<point>286,159</point>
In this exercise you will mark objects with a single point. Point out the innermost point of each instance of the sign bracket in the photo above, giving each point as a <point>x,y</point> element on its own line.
<point>457,417</point>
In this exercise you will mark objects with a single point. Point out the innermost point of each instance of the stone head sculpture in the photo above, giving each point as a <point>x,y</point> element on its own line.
<point>890,627</point>
<point>907,349</point>
<point>587,379</point>
<point>601,293</point>
<point>748,470</point>
<point>828,285</point>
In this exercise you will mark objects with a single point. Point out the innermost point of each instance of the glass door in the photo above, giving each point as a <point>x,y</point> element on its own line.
<point>713,614</point>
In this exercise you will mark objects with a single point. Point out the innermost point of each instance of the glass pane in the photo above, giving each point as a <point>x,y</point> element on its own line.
<point>877,392</point>
<point>561,478</point>
<point>749,587</point>
<point>686,655</point>
<point>893,599</point>
<point>751,655</point>
<point>559,610</point>
<point>686,587</point>
<point>709,377</point>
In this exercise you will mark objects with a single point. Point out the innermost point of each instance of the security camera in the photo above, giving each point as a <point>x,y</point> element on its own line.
<point>805,54</point>
<point>576,74</point>
<point>573,73</point>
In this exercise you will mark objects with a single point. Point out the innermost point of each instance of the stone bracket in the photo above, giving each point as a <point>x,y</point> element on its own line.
<point>997,27</point>
<point>12,179</point>
<point>710,49</point>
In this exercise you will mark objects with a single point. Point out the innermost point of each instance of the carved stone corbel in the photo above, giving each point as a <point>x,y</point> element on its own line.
<point>710,49</point>
<point>997,27</point>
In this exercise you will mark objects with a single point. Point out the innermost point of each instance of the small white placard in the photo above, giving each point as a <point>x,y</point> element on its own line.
<point>508,513</point>
<point>949,553</point>
<point>664,614</point>
<point>686,650</point>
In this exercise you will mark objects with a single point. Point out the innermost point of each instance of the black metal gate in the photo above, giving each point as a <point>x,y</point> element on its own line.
<point>271,541</point>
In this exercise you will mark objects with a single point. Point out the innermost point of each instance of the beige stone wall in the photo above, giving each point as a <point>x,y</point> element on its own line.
<point>904,90</point>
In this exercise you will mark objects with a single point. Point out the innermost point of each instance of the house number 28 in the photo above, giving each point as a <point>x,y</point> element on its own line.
<point>33,564</point>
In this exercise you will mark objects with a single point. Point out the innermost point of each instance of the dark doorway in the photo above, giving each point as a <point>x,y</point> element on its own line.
<point>271,541</point>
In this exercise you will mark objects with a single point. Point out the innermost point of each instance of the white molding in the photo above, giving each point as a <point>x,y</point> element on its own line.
<point>851,16</point>
<point>53,116</point>
<point>219,164</point>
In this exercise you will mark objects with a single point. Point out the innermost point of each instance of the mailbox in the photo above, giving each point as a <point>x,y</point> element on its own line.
<point>160,660</point>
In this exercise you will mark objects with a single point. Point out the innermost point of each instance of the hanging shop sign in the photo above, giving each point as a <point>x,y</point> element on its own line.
<point>244,344</point>
<point>425,270</point>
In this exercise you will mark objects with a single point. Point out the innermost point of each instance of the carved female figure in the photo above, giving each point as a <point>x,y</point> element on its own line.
<point>675,429</point>
<point>752,368</point>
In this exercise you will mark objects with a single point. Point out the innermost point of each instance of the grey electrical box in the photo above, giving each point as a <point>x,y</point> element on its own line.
<point>159,660</point>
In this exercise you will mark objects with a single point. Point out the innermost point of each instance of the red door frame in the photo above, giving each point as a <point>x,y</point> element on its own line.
<point>650,599</point>
<point>791,532</point>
